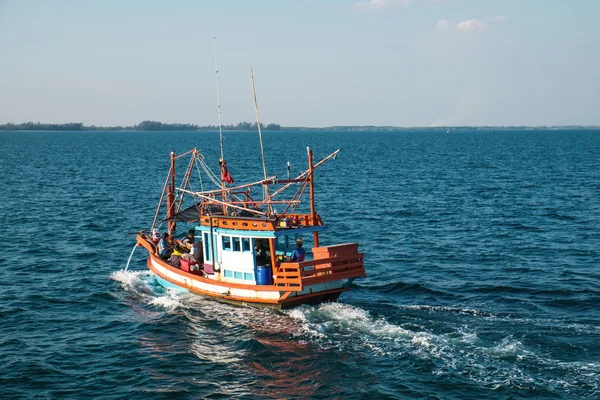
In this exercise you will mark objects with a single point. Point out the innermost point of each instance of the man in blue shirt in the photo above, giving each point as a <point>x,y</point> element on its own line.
<point>166,246</point>
<point>298,253</point>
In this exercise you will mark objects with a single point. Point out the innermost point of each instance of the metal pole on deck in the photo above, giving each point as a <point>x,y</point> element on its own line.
<point>171,197</point>
<point>311,181</point>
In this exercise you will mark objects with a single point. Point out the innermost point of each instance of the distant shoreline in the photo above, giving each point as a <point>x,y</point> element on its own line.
<point>150,126</point>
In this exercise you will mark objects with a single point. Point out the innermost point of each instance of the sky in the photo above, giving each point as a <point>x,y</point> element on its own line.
<point>316,63</point>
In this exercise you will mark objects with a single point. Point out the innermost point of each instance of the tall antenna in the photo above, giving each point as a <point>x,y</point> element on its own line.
<point>218,98</point>
<point>262,150</point>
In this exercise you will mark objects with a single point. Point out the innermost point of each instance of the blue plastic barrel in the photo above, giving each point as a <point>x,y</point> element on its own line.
<point>264,275</point>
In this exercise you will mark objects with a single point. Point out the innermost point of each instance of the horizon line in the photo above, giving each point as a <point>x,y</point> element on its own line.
<point>194,127</point>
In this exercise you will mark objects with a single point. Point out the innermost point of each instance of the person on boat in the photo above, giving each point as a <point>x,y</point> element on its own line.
<point>189,239</point>
<point>263,256</point>
<point>198,253</point>
<point>166,246</point>
<point>175,259</point>
<point>155,236</point>
<point>299,253</point>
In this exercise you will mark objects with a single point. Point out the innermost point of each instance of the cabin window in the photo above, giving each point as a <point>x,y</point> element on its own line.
<point>236,244</point>
<point>246,244</point>
<point>237,275</point>
<point>207,248</point>
<point>227,243</point>
<point>228,273</point>
<point>248,276</point>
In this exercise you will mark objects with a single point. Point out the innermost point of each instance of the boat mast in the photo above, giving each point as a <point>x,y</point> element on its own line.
<point>311,181</point>
<point>172,226</point>
<point>262,150</point>
<point>220,126</point>
<point>218,97</point>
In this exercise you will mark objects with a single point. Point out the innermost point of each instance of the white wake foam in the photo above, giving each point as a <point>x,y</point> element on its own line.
<point>140,284</point>
<point>170,301</point>
<point>342,325</point>
<point>457,350</point>
<point>133,281</point>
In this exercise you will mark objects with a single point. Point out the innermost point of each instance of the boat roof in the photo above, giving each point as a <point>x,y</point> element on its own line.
<point>262,234</point>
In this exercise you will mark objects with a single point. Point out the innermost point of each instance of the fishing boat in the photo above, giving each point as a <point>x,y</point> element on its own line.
<point>251,245</point>
<point>247,246</point>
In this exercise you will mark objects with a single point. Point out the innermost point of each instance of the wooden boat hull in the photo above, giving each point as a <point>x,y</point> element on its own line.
<point>256,295</point>
<point>332,296</point>
<point>309,282</point>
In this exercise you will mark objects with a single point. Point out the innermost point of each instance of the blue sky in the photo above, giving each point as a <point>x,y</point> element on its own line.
<point>316,63</point>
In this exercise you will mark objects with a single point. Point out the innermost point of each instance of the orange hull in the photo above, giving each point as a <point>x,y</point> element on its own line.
<point>293,285</point>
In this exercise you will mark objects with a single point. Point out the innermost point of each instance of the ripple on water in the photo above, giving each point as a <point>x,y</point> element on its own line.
<point>481,251</point>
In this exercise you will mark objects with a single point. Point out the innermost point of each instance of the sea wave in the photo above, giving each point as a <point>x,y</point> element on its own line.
<point>495,363</point>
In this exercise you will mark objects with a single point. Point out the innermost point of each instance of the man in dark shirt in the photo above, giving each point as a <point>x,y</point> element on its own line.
<point>198,252</point>
<point>263,256</point>
<point>189,239</point>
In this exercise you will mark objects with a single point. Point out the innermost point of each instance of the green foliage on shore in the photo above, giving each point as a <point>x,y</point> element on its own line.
<point>142,126</point>
<point>145,126</point>
<point>36,126</point>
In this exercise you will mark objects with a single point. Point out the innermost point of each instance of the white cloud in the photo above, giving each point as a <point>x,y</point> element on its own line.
<point>471,24</point>
<point>442,25</point>
<point>468,25</point>
<point>379,4</point>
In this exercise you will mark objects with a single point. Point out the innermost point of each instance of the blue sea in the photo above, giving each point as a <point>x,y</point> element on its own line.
<point>482,250</point>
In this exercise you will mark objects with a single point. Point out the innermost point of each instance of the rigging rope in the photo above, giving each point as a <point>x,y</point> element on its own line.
<point>199,177</point>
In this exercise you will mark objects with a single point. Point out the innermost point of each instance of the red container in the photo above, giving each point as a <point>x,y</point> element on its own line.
<point>185,265</point>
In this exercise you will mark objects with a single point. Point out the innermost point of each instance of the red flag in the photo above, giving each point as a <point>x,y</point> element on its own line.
<point>225,176</point>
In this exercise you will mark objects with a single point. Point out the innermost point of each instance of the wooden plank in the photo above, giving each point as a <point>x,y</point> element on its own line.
<point>333,277</point>
<point>333,269</point>
<point>331,260</point>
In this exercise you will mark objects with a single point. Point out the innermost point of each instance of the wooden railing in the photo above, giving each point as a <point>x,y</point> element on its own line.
<point>241,223</point>
<point>259,224</point>
<point>296,275</point>
<point>303,219</point>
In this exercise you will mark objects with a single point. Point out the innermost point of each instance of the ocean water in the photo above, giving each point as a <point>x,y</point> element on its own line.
<point>482,253</point>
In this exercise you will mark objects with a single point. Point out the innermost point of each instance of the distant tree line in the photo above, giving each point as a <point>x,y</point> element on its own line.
<point>142,126</point>
<point>247,126</point>
<point>242,126</point>
<point>36,126</point>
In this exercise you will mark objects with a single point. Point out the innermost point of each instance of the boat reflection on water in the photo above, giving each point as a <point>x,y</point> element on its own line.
<point>287,369</point>
<point>261,348</point>
<point>191,345</point>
